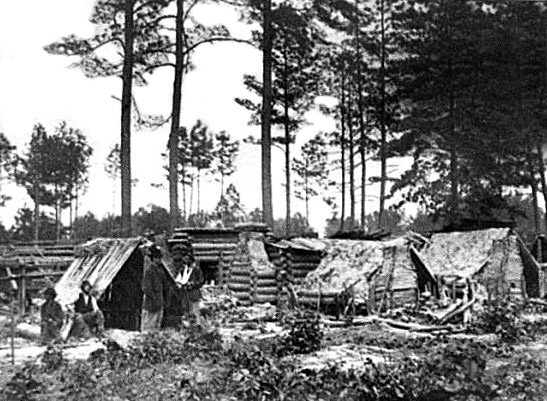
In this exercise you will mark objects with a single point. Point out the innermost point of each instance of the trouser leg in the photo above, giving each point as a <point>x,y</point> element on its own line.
<point>151,320</point>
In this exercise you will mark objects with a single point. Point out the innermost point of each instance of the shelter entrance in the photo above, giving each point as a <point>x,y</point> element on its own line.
<point>210,271</point>
<point>122,299</point>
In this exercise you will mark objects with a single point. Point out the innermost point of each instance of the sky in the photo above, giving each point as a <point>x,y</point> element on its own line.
<point>36,87</point>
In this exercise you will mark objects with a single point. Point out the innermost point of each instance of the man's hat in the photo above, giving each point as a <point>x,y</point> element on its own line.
<point>50,292</point>
<point>155,252</point>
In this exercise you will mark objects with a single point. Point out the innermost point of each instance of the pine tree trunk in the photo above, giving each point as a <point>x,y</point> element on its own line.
<point>175,119</point>
<point>184,208</point>
<point>343,151</point>
<point>454,197</point>
<point>76,201</point>
<point>542,177</point>
<point>36,211</point>
<point>199,191</point>
<point>190,209</point>
<point>125,151</point>
<point>57,216</point>
<point>383,128</point>
<point>307,192</point>
<point>534,188</point>
<point>266,137</point>
<point>362,129</point>
<point>287,145</point>
<point>71,216</point>
<point>351,146</point>
<point>221,186</point>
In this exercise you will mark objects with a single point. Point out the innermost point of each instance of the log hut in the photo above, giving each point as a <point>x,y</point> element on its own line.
<point>252,277</point>
<point>26,268</point>
<point>213,247</point>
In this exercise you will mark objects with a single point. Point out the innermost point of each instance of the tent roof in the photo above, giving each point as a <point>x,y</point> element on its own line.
<point>347,263</point>
<point>98,261</point>
<point>460,253</point>
<point>301,244</point>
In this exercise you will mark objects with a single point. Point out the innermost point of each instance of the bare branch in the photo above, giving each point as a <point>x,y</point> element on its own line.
<point>154,67</point>
<point>189,9</point>
<point>217,39</point>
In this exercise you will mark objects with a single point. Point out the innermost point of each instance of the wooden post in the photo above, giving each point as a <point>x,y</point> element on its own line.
<point>12,329</point>
<point>319,299</point>
<point>22,291</point>
<point>220,270</point>
<point>371,301</point>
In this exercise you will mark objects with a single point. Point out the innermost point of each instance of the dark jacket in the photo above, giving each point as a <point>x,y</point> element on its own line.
<point>195,282</point>
<point>52,314</point>
<point>153,286</point>
<point>81,306</point>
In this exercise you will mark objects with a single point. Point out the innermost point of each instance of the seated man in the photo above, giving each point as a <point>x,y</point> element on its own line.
<point>88,318</point>
<point>52,318</point>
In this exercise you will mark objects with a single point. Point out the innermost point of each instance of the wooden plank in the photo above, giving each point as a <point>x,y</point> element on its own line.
<point>12,280</point>
<point>32,275</point>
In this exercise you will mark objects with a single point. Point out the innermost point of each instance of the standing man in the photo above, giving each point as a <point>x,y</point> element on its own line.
<point>190,279</point>
<point>52,318</point>
<point>153,286</point>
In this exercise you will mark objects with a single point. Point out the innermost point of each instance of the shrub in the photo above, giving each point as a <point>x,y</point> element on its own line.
<point>504,319</point>
<point>23,386</point>
<point>304,334</point>
<point>53,358</point>
<point>158,347</point>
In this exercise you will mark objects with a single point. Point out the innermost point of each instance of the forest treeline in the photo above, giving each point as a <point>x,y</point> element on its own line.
<point>457,87</point>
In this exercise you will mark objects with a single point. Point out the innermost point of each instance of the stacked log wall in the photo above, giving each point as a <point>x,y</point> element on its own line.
<point>238,281</point>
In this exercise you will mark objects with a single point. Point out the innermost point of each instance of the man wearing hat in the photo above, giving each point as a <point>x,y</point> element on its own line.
<point>189,280</point>
<point>52,318</point>
<point>154,284</point>
<point>88,318</point>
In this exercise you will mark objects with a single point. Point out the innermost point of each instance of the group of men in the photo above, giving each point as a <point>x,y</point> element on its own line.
<point>88,318</point>
<point>157,286</point>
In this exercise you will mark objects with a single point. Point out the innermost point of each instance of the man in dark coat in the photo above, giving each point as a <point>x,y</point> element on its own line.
<point>153,286</point>
<point>88,318</point>
<point>52,318</point>
<point>191,279</point>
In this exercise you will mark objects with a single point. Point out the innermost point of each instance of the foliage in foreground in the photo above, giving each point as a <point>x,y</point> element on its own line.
<point>194,364</point>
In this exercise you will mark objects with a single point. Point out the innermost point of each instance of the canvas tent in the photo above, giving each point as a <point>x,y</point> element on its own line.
<point>114,267</point>
<point>496,258</point>
<point>355,265</point>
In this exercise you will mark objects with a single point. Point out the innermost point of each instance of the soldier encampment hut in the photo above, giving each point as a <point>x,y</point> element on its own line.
<point>495,258</point>
<point>251,276</point>
<point>375,273</point>
<point>114,267</point>
<point>27,268</point>
<point>298,256</point>
<point>211,246</point>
